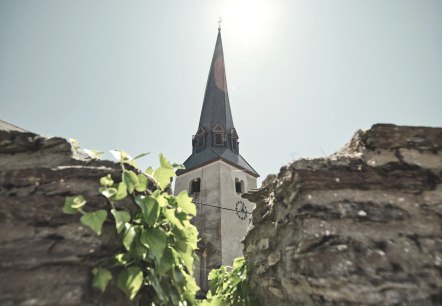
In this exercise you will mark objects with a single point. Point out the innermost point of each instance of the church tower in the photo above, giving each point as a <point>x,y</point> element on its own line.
<point>216,176</point>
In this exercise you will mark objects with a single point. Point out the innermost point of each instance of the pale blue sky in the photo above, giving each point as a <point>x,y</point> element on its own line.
<point>303,76</point>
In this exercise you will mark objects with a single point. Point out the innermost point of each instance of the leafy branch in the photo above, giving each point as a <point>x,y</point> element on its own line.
<point>158,240</point>
<point>229,286</point>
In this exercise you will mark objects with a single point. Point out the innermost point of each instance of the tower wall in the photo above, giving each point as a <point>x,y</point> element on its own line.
<point>233,229</point>
<point>220,230</point>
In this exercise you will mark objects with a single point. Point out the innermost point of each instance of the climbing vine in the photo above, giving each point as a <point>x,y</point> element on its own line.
<point>229,286</point>
<point>158,240</point>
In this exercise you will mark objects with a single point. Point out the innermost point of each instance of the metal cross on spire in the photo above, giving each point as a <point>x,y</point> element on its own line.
<point>220,19</point>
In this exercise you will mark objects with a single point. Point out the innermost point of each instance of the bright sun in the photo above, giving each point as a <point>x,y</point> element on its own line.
<point>249,20</point>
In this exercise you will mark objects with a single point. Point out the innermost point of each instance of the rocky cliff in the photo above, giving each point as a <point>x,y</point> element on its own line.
<point>361,227</point>
<point>45,255</point>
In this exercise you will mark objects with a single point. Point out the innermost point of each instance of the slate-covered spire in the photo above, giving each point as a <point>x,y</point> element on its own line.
<point>216,105</point>
<point>216,137</point>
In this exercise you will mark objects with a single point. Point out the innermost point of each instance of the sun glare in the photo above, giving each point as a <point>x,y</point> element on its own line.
<point>248,20</point>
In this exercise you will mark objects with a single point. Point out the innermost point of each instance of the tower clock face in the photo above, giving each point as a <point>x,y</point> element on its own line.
<point>241,210</point>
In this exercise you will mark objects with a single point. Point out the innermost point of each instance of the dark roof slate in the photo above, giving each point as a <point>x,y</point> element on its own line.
<point>212,154</point>
<point>216,105</point>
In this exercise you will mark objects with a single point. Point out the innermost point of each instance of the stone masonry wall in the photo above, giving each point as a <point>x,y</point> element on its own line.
<point>45,255</point>
<point>361,227</point>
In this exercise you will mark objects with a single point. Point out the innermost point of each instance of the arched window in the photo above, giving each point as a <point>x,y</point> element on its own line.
<point>195,186</point>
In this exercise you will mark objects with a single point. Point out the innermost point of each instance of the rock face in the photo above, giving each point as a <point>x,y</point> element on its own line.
<point>46,256</point>
<point>362,227</point>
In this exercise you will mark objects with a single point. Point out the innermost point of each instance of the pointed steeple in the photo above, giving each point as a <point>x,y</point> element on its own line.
<point>216,106</point>
<point>216,137</point>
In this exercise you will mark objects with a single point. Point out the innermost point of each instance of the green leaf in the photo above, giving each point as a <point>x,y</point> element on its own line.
<point>129,236</point>
<point>131,162</point>
<point>142,183</point>
<point>122,258</point>
<point>156,240</point>
<point>157,285</point>
<point>75,144</point>
<point>187,257</point>
<point>121,191</point>
<point>191,233</point>
<point>238,262</point>
<point>106,181</point>
<point>94,220</point>
<point>191,286</point>
<point>162,201</point>
<point>185,203</point>
<point>156,193</point>
<point>130,281</point>
<point>178,166</point>
<point>121,218</point>
<point>101,278</point>
<point>108,192</point>
<point>130,179</point>
<point>149,209</point>
<point>217,301</point>
<point>164,173</point>
<point>67,208</point>
<point>124,156</point>
<point>149,171</point>
<point>141,155</point>
<point>167,262</point>
<point>169,213</point>
<point>138,251</point>
<point>78,202</point>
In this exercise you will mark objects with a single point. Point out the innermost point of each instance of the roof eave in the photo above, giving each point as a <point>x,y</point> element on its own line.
<point>184,171</point>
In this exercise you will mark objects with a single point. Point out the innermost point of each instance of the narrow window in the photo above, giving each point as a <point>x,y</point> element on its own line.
<point>218,139</point>
<point>218,135</point>
<point>195,186</point>
<point>238,187</point>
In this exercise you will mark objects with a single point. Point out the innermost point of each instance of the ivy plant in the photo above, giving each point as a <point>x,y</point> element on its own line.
<point>158,241</point>
<point>229,286</point>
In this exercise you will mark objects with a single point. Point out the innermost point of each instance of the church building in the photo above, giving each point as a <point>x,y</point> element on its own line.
<point>216,176</point>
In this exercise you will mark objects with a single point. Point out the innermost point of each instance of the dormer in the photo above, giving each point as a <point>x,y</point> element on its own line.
<point>199,140</point>
<point>234,143</point>
<point>218,136</point>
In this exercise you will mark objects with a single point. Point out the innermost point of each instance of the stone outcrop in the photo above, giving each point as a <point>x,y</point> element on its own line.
<point>46,256</point>
<point>361,227</point>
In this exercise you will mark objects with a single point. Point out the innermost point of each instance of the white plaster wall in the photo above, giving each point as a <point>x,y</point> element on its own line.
<point>222,228</point>
<point>233,229</point>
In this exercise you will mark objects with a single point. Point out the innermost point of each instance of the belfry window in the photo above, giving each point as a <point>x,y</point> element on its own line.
<point>195,186</point>
<point>239,186</point>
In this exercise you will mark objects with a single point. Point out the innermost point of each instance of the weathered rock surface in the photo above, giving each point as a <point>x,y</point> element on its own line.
<point>46,256</point>
<point>362,227</point>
